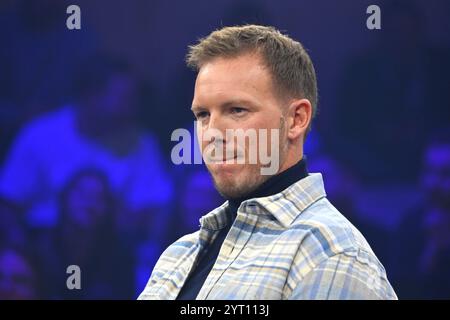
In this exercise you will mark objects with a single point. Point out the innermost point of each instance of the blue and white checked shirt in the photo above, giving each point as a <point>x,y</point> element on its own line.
<point>291,245</point>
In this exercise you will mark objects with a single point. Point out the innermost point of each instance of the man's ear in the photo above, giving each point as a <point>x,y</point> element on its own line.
<point>299,118</point>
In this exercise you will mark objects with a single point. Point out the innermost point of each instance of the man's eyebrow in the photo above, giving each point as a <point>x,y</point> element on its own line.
<point>197,108</point>
<point>227,104</point>
<point>239,102</point>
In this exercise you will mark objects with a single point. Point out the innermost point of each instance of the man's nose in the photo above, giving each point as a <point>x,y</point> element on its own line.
<point>215,121</point>
<point>215,128</point>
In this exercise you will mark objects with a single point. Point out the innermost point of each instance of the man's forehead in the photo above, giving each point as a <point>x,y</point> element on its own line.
<point>243,76</point>
<point>243,66</point>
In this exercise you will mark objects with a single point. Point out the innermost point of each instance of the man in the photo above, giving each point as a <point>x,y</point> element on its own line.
<point>276,237</point>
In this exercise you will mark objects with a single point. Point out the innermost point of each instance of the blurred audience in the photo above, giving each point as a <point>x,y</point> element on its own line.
<point>389,98</point>
<point>86,236</point>
<point>423,239</point>
<point>98,130</point>
<point>13,230</point>
<point>18,277</point>
<point>38,57</point>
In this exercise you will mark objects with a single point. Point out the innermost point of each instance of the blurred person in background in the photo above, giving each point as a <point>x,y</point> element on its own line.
<point>99,130</point>
<point>86,236</point>
<point>38,57</point>
<point>391,97</point>
<point>422,265</point>
<point>18,275</point>
<point>13,230</point>
<point>18,272</point>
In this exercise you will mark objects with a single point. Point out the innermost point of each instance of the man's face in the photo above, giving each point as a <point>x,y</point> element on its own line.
<point>237,93</point>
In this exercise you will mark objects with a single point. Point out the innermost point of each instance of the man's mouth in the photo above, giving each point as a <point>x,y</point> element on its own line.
<point>224,157</point>
<point>221,160</point>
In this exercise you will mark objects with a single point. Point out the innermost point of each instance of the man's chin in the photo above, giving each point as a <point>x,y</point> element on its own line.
<point>230,192</point>
<point>227,184</point>
<point>234,186</point>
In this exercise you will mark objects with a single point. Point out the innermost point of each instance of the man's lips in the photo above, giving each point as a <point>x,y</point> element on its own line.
<point>221,160</point>
<point>220,154</point>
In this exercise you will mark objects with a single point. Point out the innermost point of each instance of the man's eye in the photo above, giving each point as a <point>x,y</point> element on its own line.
<point>201,115</point>
<point>238,110</point>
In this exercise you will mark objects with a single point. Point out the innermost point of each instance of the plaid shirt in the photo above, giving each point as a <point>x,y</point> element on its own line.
<point>291,245</point>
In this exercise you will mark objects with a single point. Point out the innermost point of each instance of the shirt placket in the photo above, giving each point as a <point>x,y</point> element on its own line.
<point>227,255</point>
<point>185,266</point>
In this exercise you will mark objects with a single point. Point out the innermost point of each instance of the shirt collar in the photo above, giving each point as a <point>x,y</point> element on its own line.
<point>284,206</point>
